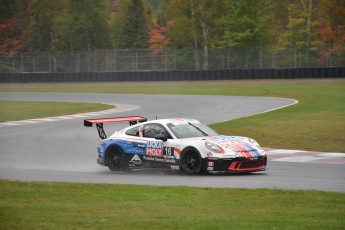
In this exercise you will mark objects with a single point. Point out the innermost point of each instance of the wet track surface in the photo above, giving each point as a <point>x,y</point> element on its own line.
<point>62,149</point>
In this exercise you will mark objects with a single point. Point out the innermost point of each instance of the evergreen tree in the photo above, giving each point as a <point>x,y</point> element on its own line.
<point>132,25</point>
<point>248,24</point>
<point>84,26</point>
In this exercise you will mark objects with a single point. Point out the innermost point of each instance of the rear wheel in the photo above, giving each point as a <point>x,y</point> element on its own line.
<point>116,159</point>
<point>191,162</point>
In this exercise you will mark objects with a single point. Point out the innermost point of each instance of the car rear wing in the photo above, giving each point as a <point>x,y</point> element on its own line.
<point>99,123</point>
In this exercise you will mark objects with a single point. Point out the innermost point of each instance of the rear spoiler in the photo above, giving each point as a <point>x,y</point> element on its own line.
<point>99,123</point>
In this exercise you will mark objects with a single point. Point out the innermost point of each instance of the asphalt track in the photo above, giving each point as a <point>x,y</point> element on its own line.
<point>62,150</point>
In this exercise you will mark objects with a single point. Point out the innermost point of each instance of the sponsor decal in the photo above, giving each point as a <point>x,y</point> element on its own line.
<point>210,166</point>
<point>158,159</point>
<point>154,148</point>
<point>221,139</point>
<point>136,158</point>
<point>174,167</point>
<point>136,151</point>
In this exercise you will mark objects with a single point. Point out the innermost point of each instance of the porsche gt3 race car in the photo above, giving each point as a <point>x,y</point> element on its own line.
<point>178,144</point>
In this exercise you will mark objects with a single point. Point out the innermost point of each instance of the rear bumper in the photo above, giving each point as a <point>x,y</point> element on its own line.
<point>236,164</point>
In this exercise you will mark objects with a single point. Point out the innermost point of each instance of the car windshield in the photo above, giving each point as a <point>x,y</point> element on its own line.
<point>189,130</point>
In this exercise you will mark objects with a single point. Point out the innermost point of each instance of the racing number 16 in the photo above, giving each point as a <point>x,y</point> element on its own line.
<point>168,151</point>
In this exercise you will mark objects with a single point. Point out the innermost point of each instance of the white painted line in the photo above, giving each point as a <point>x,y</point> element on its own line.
<point>10,123</point>
<point>270,110</point>
<point>29,121</point>
<point>301,159</point>
<point>300,156</point>
<point>120,108</point>
<point>282,151</point>
<point>331,155</point>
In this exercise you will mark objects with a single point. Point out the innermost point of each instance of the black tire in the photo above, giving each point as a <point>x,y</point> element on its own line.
<point>191,162</point>
<point>116,159</point>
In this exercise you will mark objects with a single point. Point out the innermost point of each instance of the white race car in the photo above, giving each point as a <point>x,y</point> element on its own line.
<point>183,144</point>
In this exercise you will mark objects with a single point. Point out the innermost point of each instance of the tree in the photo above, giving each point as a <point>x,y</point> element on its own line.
<point>84,25</point>
<point>332,31</point>
<point>248,24</point>
<point>43,14</point>
<point>193,24</point>
<point>158,39</point>
<point>300,32</point>
<point>8,8</point>
<point>132,25</point>
<point>13,20</point>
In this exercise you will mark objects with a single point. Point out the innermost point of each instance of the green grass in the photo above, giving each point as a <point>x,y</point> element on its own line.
<point>33,205</point>
<point>20,110</point>
<point>316,123</point>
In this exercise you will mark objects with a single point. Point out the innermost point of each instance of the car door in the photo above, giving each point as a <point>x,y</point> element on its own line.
<point>159,150</point>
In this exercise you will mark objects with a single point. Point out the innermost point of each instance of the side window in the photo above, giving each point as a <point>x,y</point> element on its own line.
<point>152,130</point>
<point>133,132</point>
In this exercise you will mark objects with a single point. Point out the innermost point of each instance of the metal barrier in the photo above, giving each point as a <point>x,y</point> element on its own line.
<point>175,75</point>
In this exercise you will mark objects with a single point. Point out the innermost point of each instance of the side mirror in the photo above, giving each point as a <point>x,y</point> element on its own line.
<point>161,137</point>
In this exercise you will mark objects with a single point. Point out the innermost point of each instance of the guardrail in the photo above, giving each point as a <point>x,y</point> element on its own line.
<point>230,74</point>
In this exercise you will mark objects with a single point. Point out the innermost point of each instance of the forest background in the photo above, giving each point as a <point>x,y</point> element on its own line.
<point>192,28</point>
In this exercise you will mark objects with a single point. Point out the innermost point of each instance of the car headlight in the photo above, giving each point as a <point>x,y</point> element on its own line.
<point>213,147</point>
<point>254,142</point>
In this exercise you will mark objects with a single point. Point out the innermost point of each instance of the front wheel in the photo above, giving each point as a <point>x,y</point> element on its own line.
<point>191,162</point>
<point>116,159</point>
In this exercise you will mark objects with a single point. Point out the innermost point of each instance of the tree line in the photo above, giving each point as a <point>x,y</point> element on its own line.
<point>244,25</point>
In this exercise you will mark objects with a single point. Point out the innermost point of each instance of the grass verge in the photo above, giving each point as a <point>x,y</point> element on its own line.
<point>33,205</point>
<point>21,110</point>
<point>315,123</point>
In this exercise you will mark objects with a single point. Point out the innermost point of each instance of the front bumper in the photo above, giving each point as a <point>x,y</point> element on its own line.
<point>236,164</point>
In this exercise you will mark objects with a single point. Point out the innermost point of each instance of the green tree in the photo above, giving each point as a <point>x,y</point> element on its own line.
<point>195,24</point>
<point>43,14</point>
<point>248,24</point>
<point>301,31</point>
<point>132,25</point>
<point>84,26</point>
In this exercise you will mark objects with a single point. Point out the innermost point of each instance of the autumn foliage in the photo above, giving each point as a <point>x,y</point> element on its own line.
<point>158,38</point>
<point>13,36</point>
<point>332,29</point>
<point>90,25</point>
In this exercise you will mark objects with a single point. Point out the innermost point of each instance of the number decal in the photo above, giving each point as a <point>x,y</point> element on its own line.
<point>168,151</point>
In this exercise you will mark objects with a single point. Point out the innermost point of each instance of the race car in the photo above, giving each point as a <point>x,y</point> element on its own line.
<point>178,144</point>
